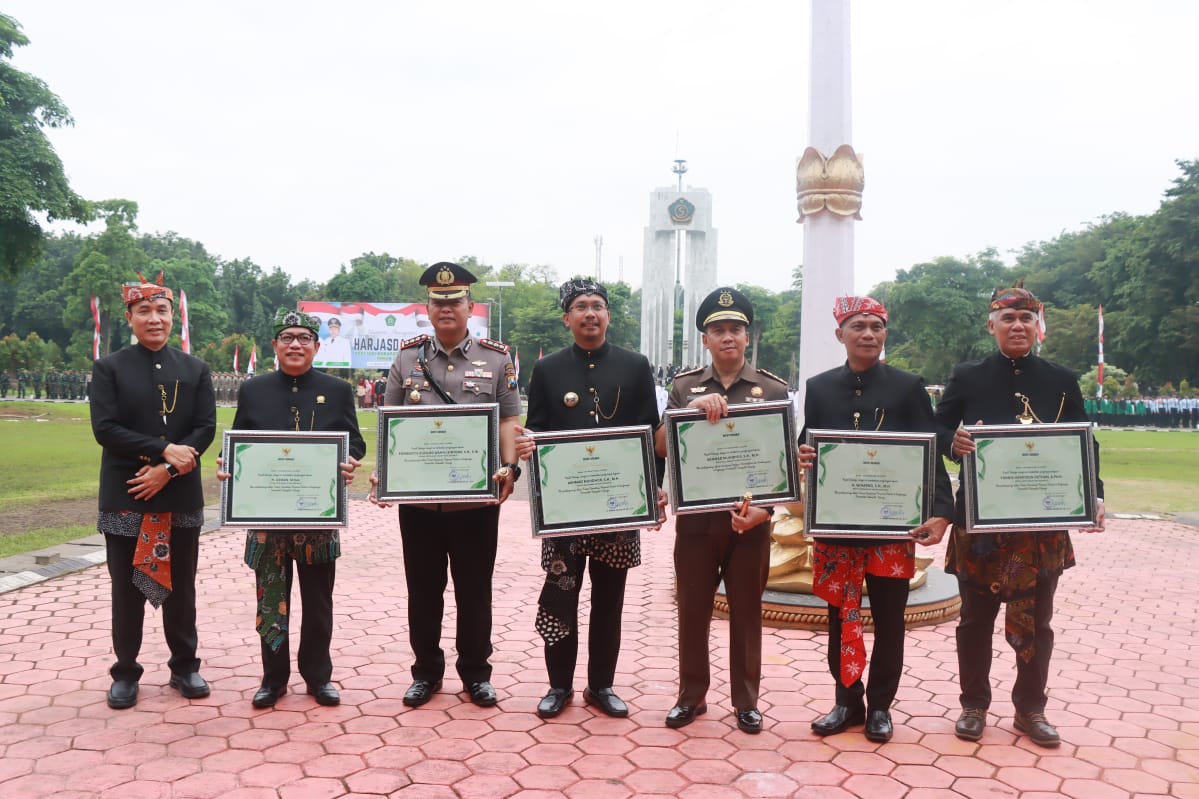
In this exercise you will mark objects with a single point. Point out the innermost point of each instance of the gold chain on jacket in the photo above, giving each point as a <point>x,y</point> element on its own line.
<point>1028,415</point>
<point>879,413</point>
<point>296,417</point>
<point>606,416</point>
<point>162,392</point>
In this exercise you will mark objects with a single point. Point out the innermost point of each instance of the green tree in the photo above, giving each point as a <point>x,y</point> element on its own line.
<point>32,180</point>
<point>102,265</point>
<point>938,312</point>
<point>1072,336</point>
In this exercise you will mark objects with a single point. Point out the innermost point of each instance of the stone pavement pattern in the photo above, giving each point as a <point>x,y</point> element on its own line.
<point>1124,692</point>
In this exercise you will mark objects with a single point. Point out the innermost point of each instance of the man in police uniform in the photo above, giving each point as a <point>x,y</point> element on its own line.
<point>154,413</point>
<point>447,368</point>
<point>1019,569</point>
<point>868,395</point>
<point>588,384</point>
<point>302,399</point>
<point>724,544</point>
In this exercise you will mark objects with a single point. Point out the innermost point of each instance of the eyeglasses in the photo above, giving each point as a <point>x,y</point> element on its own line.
<point>289,338</point>
<point>584,307</point>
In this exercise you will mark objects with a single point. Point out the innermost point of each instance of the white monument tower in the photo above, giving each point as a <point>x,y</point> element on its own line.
<point>829,182</point>
<point>678,269</point>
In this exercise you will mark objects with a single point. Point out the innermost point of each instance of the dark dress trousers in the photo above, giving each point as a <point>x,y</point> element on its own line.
<point>127,395</point>
<point>461,536</point>
<point>888,399</point>
<point>313,401</point>
<point>707,550</point>
<point>571,389</point>
<point>994,568</point>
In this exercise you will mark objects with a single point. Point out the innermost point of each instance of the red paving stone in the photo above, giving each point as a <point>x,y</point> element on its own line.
<point>1124,692</point>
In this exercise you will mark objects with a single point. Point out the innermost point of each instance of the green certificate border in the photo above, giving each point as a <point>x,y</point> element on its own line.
<point>592,481</point>
<point>869,484</point>
<point>260,461</point>
<point>769,473</point>
<point>437,475</point>
<point>1030,478</point>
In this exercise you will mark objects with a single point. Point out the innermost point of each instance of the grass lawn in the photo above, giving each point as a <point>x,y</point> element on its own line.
<point>50,464</point>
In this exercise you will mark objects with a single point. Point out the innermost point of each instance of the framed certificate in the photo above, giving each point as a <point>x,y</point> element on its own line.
<point>592,481</point>
<point>1030,477</point>
<point>438,453</point>
<point>284,480</point>
<point>869,484</point>
<point>750,451</point>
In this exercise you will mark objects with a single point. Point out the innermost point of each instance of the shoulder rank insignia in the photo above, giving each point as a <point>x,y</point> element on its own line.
<point>414,341</point>
<point>772,376</point>
<point>690,372</point>
<point>492,344</point>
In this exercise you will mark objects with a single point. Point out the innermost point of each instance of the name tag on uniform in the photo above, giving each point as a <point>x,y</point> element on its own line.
<point>698,389</point>
<point>416,373</point>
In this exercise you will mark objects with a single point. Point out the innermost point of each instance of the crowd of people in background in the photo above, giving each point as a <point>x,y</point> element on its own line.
<point>1173,413</point>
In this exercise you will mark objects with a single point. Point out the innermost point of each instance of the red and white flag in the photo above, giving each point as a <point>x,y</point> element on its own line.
<point>235,354</point>
<point>882,354</point>
<point>1101,351</point>
<point>253,364</point>
<point>516,363</point>
<point>96,334</point>
<point>540,353</point>
<point>184,329</point>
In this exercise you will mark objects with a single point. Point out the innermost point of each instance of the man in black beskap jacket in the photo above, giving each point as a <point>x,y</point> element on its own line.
<point>296,398</point>
<point>154,412</point>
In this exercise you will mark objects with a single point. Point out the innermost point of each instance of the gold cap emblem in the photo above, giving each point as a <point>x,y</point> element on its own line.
<point>570,399</point>
<point>444,277</point>
<point>725,300</point>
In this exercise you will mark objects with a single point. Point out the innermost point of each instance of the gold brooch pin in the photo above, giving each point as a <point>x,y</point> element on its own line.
<point>320,399</point>
<point>570,399</point>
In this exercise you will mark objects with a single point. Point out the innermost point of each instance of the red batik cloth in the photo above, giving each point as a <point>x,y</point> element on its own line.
<point>838,575</point>
<point>152,558</point>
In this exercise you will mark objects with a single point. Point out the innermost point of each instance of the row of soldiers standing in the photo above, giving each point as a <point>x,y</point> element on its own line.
<point>55,384</point>
<point>1165,412</point>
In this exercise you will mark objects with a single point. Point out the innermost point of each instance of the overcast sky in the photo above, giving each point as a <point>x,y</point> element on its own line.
<point>301,134</point>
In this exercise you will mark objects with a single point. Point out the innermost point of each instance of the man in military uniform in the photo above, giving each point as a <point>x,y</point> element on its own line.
<point>589,384</point>
<point>22,381</point>
<point>724,544</point>
<point>4,382</point>
<point>154,414</point>
<point>1019,569</point>
<point>448,368</point>
<point>866,394</point>
<point>296,397</point>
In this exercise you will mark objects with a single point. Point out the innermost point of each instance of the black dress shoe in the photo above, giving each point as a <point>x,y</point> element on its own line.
<point>122,694</point>
<point>839,719</point>
<point>421,691</point>
<point>682,715</point>
<point>326,694</point>
<point>970,724</point>
<point>553,702</point>
<point>749,721</point>
<point>1038,729</point>
<point>878,726</point>
<point>607,701</point>
<point>268,695</point>
<point>192,686</point>
<point>481,693</point>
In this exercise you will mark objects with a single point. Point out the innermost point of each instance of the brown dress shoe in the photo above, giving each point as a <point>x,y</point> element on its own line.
<point>971,723</point>
<point>1038,729</point>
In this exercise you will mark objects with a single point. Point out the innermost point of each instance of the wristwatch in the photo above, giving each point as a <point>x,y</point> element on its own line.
<point>515,470</point>
<point>171,470</point>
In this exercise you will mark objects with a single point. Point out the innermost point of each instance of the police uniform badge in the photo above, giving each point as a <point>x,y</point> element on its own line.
<point>510,373</point>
